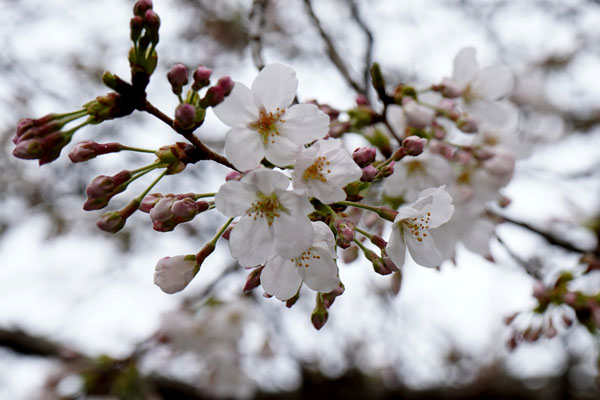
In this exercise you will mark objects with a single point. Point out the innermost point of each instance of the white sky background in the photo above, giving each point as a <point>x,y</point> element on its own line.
<point>82,291</point>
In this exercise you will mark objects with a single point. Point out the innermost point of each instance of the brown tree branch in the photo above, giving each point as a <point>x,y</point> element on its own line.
<point>257,22</point>
<point>370,42</point>
<point>332,52</point>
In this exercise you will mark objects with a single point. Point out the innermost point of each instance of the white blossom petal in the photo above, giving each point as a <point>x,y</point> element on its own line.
<point>321,274</point>
<point>424,252</point>
<point>324,237</point>
<point>396,249</point>
<point>304,123</point>
<point>296,202</point>
<point>487,111</point>
<point>275,87</point>
<point>238,109</point>
<point>436,205</point>
<point>493,83</point>
<point>244,148</point>
<point>281,151</point>
<point>251,241</point>
<point>266,181</point>
<point>280,278</point>
<point>293,235</point>
<point>173,274</point>
<point>465,66</point>
<point>234,198</point>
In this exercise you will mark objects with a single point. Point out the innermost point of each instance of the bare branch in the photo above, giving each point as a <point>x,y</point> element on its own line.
<point>333,54</point>
<point>369,49</point>
<point>257,23</point>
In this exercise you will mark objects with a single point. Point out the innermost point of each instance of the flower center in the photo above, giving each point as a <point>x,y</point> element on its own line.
<point>267,124</point>
<point>315,171</point>
<point>415,226</point>
<point>265,207</point>
<point>304,259</point>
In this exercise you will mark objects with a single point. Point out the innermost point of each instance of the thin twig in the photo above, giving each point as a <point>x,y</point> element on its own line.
<point>333,54</point>
<point>370,42</point>
<point>533,272</point>
<point>550,238</point>
<point>257,23</point>
<point>204,153</point>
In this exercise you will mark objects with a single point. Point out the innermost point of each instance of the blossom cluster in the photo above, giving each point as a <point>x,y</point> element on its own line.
<point>431,162</point>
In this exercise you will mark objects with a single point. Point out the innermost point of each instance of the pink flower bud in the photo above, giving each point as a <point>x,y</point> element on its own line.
<point>319,318</point>
<point>233,176</point>
<point>152,20</point>
<point>413,145</point>
<point>111,222</point>
<point>178,77</point>
<point>449,88</point>
<point>184,208</point>
<point>388,170</point>
<point>329,298</point>
<point>539,291</point>
<point>141,6</point>
<point>369,173</point>
<point>185,115</point>
<point>467,124</point>
<point>364,156</point>
<point>226,85</point>
<point>361,100</point>
<point>173,274</point>
<point>28,149</point>
<point>378,241</point>
<point>150,201</point>
<point>201,77</point>
<point>570,298</point>
<point>136,25</point>
<point>253,279</point>
<point>87,150</point>
<point>447,104</point>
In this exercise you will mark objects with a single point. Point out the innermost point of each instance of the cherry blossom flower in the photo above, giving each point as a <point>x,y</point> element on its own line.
<point>316,267</point>
<point>412,224</point>
<point>414,174</point>
<point>273,219</point>
<point>481,88</point>
<point>324,169</point>
<point>263,125</point>
<point>173,274</point>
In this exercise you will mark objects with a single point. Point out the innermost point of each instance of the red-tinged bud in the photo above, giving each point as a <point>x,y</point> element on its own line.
<point>396,282</point>
<point>502,164</point>
<point>205,252</point>
<point>121,177</point>
<point>364,156</point>
<point>443,149</point>
<point>173,274</point>
<point>290,302</point>
<point>233,176</point>
<point>103,188</point>
<point>361,100</point>
<point>388,169</point>
<point>447,105</point>
<point>184,208</point>
<point>150,201</point>
<point>378,241</point>
<point>387,213</point>
<point>539,291</point>
<point>202,206</point>
<point>226,85</point>
<point>28,149</point>
<point>185,115</point>
<point>449,88</point>
<point>141,6</point>
<point>345,230</point>
<point>136,25</point>
<point>398,155</point>
<point>413,145</point>
<point>201,78</point>
<point>319,317</point>
<point>350,254</point>
<point>329,298</point>
<point>111,222</point>
<point>467,124</point>
<point>178,77</point>
<point>87,150</point>
<point>152,21</point>
<point>380,266</point>
<point>369,173</point>
<point>253,279</point>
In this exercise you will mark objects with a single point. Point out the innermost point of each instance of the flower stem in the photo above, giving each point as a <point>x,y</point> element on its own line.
<point>141,196</point>
<point>221,231</point>
<point>137,149</point>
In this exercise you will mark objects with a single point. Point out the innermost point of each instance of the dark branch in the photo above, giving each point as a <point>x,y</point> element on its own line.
<point>369,49</point>
<point>333,54</point>
<point>257,23</point>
